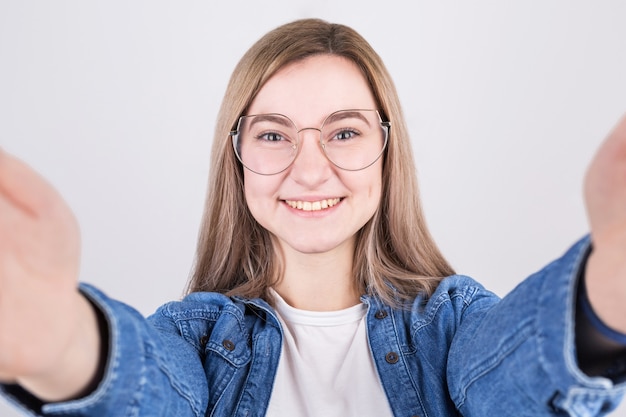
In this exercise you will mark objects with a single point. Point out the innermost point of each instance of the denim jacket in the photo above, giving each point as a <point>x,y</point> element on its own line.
<point>460,352</point>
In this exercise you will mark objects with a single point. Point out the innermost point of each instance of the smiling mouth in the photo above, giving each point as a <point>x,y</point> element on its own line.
<point>312,205</point>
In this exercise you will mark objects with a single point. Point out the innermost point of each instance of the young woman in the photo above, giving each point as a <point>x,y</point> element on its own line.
<point>318,290</point>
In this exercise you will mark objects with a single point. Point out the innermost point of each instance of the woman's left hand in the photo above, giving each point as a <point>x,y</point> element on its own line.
<point>605,199</point>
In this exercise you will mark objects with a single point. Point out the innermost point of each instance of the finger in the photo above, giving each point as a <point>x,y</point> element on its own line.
<point>21,186</point>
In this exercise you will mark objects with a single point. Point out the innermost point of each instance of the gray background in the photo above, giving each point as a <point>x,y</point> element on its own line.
<point>115,103</point>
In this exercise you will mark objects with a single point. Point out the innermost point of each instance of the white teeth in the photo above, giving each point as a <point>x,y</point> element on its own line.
<point>313,205</point>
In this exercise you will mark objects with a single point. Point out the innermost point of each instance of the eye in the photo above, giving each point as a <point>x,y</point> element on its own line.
<point>271,137</point>
<point>345,134</point>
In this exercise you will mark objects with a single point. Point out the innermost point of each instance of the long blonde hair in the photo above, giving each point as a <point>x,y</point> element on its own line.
<point>395,256</point>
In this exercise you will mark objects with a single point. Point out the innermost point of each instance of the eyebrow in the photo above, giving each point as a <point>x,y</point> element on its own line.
<point>343,114</point>
<point>275,118</point>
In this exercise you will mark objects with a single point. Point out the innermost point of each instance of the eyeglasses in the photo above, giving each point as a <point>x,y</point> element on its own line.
<point>352,140</point>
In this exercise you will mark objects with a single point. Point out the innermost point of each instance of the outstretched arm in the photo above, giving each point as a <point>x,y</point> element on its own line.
<point>49,341</point>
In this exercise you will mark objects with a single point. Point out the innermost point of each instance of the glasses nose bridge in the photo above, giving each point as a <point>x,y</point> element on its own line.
<point>319,131</point>
<point>319,135</point>
<point>319,140</point>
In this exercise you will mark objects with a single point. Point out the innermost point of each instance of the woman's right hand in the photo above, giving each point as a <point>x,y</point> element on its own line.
<point>48,331</point>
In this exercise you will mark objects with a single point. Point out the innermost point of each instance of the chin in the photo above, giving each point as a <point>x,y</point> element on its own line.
<point>312,245</point>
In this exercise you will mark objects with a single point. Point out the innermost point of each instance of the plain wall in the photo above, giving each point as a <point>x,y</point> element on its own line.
<point>115,103</point>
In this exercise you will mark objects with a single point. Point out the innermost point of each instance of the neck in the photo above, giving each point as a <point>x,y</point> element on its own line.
<point>319,282</point>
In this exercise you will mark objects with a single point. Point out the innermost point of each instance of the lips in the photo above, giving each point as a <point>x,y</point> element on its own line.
<point>312,205</point>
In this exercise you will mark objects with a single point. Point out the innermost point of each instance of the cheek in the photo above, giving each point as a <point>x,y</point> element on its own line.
<point>376,185</point>
<point>259,191</point>
<point>375,192</point>
<point>250,188</point>
<point>367,189</point>
<point>248,185</point>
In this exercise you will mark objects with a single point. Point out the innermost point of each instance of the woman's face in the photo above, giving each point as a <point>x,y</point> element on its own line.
<point>314,206</point>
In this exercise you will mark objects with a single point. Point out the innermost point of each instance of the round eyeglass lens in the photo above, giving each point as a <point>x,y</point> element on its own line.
<point>353,139</point>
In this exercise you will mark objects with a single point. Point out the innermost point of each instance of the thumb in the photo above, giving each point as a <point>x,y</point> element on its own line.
<point>22,187</point>
<point>605,186</point>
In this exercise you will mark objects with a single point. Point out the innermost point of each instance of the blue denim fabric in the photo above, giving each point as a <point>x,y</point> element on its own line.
<point>462,352</point>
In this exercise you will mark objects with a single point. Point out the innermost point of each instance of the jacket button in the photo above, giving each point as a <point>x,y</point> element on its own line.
<point>380,314</point>
<point>228,345</point>
<point>392,357</point>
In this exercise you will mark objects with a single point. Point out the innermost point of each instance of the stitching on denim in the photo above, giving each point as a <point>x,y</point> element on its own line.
<point>509,345</point>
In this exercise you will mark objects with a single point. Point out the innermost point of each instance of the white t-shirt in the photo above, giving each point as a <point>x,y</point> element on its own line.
<point>325,368</point>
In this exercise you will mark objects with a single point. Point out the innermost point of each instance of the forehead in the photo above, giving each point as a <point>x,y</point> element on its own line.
<point>309,90</point>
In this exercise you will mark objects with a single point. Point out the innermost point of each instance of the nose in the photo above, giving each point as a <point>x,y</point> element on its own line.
<point>311,167</point>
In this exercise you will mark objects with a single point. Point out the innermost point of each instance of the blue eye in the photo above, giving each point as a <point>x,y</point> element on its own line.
<point>345,135</point>
<point>271,137</point>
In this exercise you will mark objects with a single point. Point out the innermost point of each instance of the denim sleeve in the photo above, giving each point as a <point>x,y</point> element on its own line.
<point>601,349</point>
<point>148,372</point>
<point>518,358</point>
